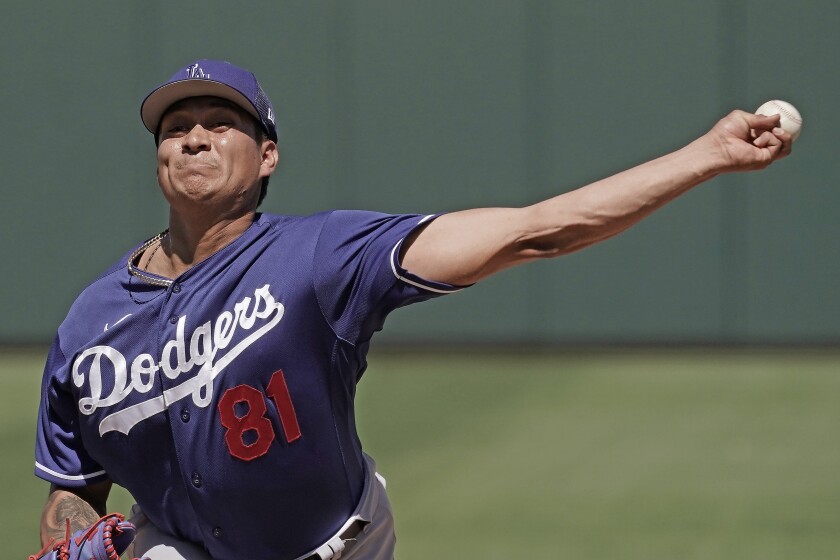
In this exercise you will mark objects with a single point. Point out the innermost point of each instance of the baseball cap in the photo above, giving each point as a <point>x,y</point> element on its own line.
<point>210,77</point>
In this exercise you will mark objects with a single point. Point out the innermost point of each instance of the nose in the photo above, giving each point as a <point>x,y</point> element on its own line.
<point>197,140</point>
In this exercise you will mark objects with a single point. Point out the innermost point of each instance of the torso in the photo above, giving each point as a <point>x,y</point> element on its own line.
<point>223,398</point>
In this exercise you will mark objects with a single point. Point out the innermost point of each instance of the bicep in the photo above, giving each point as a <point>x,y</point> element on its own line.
<point>464,247</point>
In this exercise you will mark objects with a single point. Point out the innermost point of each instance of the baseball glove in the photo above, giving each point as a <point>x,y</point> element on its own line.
<point>106,539</point>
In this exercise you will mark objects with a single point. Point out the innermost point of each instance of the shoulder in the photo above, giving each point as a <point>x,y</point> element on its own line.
<point>274,223</point>
<point>367,222</point>
<point>335,227</point>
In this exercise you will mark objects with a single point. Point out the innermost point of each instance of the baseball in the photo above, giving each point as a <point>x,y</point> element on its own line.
<point>791,119</point>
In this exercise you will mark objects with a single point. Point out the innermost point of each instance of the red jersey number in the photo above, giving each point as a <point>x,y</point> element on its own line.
<point>250,434</point>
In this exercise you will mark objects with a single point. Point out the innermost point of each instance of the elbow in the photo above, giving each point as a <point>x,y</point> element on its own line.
<point>560,241</point>
<point>554,234</point>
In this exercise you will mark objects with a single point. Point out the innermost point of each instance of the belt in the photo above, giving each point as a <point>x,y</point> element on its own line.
<point>334,547</point>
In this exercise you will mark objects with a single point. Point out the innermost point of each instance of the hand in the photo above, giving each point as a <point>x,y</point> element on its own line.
<point>749,142</point>
<point>106,539</point>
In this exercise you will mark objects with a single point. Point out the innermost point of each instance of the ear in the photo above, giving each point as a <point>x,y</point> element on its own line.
<point>270,158</point>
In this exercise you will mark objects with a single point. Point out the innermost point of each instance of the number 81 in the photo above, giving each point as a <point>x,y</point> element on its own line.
<point>254,419</point>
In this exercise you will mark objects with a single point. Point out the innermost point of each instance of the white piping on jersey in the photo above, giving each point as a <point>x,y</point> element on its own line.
<point>412,282</point>
<point>65,476</point>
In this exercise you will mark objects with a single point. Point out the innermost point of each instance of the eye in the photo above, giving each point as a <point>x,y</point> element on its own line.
<point>220,125</point>
<point>174,130</point>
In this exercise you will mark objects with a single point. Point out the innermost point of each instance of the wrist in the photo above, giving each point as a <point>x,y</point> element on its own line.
<point>706,158</point>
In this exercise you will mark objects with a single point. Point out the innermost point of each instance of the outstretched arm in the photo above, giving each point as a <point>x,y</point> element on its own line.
<point>82,506</point>
<point>464,247</point>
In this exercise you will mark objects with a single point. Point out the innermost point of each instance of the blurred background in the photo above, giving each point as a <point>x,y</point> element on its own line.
<point>442,105</point>
<point>410,106</point>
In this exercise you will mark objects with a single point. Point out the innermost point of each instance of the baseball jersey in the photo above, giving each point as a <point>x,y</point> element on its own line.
<point>223,400</point>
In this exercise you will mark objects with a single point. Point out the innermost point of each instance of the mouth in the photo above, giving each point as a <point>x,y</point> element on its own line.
<point>193,164</point>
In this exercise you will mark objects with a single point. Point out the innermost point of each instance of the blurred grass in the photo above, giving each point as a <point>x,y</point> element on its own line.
<point>592,456</point>
<point>643,455</point>
<point>23,497</point>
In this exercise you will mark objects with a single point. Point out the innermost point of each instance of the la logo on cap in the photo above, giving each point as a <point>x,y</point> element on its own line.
<point>195,71</point>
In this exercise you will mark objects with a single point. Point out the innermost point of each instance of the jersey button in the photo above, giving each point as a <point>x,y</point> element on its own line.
<point>173,319</point>
<point>176,288</point>
<point>185,415</point>
<point>196,480</point>
<point>217,532</point>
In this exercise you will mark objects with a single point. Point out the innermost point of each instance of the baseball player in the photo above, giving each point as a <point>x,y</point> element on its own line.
<point>212,369</point>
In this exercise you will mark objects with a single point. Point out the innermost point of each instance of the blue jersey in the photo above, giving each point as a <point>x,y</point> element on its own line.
<point>223,400</point>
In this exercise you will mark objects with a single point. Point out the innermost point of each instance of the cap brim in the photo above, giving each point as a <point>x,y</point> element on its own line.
<point>157,102</point>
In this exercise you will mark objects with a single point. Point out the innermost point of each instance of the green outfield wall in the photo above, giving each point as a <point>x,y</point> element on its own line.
<point>432,106</point>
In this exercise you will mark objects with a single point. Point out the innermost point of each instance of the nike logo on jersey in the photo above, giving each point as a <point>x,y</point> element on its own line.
<point>118,322</point>
<point>257,316</point>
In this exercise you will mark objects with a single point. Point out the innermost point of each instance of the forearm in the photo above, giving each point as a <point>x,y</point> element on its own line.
<point>82,507</point>
<point>465,247</point>
<point>598,211</point>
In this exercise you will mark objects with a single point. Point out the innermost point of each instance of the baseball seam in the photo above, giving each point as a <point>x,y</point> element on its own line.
<point>787,113</point>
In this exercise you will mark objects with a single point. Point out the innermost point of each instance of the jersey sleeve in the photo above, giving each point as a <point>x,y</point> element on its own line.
<point>60,457</point>
<point>357,274</point>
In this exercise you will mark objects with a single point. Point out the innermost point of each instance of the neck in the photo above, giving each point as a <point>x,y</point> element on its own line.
<point>187,243</point>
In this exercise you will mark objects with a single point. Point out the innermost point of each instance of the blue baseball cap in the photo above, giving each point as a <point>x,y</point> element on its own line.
<point>216,78</point>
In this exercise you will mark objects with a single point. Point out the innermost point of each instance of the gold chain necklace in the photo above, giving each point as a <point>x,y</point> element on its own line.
<point>139,272</point>
<point>155,250</point>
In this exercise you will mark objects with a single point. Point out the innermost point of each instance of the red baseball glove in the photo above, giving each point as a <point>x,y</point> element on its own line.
<point>106,539</point>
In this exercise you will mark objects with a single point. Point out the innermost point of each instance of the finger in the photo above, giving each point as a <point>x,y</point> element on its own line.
<point>766,139</point>
<point>786,139</point>
<point>763,122</point>
<point>772,146</point>
<point>782,134</point>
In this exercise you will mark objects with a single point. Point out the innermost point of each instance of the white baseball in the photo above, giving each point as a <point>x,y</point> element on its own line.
<point>791,120</point>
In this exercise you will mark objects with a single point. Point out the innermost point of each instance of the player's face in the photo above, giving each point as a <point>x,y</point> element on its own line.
<point>211,150</point>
